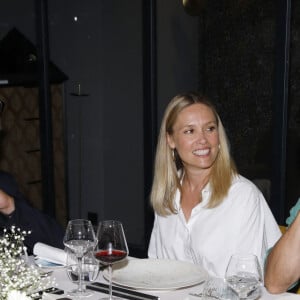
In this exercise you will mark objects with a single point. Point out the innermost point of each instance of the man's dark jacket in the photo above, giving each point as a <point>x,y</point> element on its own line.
<point>43,228</point>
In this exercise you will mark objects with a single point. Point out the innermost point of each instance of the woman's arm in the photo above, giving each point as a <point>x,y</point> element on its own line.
<point>283,263</point>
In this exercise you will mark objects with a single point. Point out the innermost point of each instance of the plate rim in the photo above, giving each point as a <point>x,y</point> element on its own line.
<point>176,286</point>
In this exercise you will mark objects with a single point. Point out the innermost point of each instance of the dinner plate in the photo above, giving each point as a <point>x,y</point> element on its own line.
<point>156,274</point>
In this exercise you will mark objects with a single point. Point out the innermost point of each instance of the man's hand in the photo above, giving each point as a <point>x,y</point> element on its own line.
<point>7,203</point>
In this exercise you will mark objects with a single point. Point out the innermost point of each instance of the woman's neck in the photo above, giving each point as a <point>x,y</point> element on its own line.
<point>195,182</point>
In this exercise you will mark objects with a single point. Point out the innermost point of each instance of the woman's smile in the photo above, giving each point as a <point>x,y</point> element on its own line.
<point>201,152</point>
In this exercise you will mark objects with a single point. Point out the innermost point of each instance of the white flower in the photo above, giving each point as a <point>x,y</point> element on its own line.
<point>17,295</point>
<point>17,278</point>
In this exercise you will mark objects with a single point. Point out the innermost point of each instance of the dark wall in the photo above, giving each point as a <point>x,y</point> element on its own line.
<point>239,74</point>
<point>102,51</point>
<point>99,45</point>
<point>239,54</point>
<point>293,137</point>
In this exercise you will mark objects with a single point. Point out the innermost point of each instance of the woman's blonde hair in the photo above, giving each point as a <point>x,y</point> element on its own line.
<point>168,167</point>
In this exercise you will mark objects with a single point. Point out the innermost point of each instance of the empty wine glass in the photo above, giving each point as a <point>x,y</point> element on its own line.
<point>89,270</point>
<point>80,238</point>
<point>244,275</point>
<point>111,246</point>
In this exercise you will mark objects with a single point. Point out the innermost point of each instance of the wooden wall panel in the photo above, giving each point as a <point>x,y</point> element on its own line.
<point>20,143</point>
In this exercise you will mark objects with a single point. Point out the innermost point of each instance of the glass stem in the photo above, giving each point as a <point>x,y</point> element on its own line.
<point>80,289</point>
<point>110,281</point>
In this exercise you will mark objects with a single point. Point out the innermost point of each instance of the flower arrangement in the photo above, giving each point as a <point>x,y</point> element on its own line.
<point>18,279</point>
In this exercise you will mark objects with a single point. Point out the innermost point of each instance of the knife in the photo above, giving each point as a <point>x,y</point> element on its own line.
<point>121,292</point>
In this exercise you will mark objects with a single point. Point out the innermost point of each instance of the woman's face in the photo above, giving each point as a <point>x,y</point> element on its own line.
<point>195,137</point>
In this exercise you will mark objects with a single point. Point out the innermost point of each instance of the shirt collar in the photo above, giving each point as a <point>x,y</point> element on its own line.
<point>206,191</point>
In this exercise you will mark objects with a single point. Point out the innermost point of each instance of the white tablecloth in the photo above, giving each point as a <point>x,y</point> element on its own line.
<point>64,283</point>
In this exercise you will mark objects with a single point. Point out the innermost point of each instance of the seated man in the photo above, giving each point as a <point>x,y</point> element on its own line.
<point>15,210</point>
<point>283,263</point>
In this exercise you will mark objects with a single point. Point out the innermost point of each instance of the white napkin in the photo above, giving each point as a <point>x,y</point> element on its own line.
<point>49,253</point>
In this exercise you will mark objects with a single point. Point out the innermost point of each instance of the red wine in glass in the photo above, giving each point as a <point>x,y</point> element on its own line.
<point>110,257</point>
<point>111,246</point>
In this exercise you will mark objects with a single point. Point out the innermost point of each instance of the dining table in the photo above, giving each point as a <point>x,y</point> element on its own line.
<point>60,279</point>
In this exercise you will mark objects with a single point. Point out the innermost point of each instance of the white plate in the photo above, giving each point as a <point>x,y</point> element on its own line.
<point>156,274</point>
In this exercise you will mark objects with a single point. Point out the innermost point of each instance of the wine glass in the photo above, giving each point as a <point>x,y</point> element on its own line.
<point>80,238</point>
<point>111,246</point>
<point>89,269</point>
<point>244,275</point>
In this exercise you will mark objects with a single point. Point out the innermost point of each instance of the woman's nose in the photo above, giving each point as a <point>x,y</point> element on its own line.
<point>201,137</point>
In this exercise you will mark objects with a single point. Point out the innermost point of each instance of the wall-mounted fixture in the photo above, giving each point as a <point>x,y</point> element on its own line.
<point>194,7</point>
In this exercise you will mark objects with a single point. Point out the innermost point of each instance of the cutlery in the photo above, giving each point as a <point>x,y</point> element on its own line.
<point>44,273</point>
<point>201,295</point>
<point>121,292</point>
<point>52,290</point>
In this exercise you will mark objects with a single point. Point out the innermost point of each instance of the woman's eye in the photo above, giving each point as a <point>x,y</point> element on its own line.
<point>189,131</point>
<point>211,128</point>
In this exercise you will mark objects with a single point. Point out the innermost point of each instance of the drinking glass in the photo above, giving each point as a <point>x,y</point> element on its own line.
<point>89,270</point>
<point>111,247</point>
<point>80,238</point>
<point>217,288</point>
<point>244,275</point>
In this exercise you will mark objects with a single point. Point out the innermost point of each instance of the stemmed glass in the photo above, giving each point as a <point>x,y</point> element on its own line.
<point>244,275</point>
<point>89,269</point>
<point>111,246</point>
<point>80,238</point>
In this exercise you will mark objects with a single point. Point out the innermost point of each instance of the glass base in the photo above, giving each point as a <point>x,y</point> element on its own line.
<point>78,294</point>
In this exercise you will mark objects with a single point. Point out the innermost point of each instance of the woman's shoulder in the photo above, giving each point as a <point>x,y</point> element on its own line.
<point>243,188</point>
<point>239,181</point>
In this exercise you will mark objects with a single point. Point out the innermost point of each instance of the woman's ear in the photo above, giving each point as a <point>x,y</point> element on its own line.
<point>170,141</point>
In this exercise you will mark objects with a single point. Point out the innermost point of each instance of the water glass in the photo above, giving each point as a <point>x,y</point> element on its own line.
<point>216,288</point>
<point>244,275</point>
<point>80,239</point>
<point>89,270</point>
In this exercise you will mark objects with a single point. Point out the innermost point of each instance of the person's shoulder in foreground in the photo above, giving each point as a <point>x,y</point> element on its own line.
<point>15,210</point>
<point>282,269</point>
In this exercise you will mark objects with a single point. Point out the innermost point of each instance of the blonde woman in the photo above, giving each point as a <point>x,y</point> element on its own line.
<point>204,210</point>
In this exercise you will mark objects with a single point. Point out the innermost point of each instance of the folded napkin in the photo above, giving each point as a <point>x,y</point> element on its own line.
<point>50,254</point>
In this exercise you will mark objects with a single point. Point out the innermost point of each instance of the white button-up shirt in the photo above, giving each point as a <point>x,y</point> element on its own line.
<point>242,223</point>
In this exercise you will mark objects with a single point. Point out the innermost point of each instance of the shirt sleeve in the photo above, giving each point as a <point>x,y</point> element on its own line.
<point>251,228</point>
<point>259,230</point>
<point>293,213</point>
